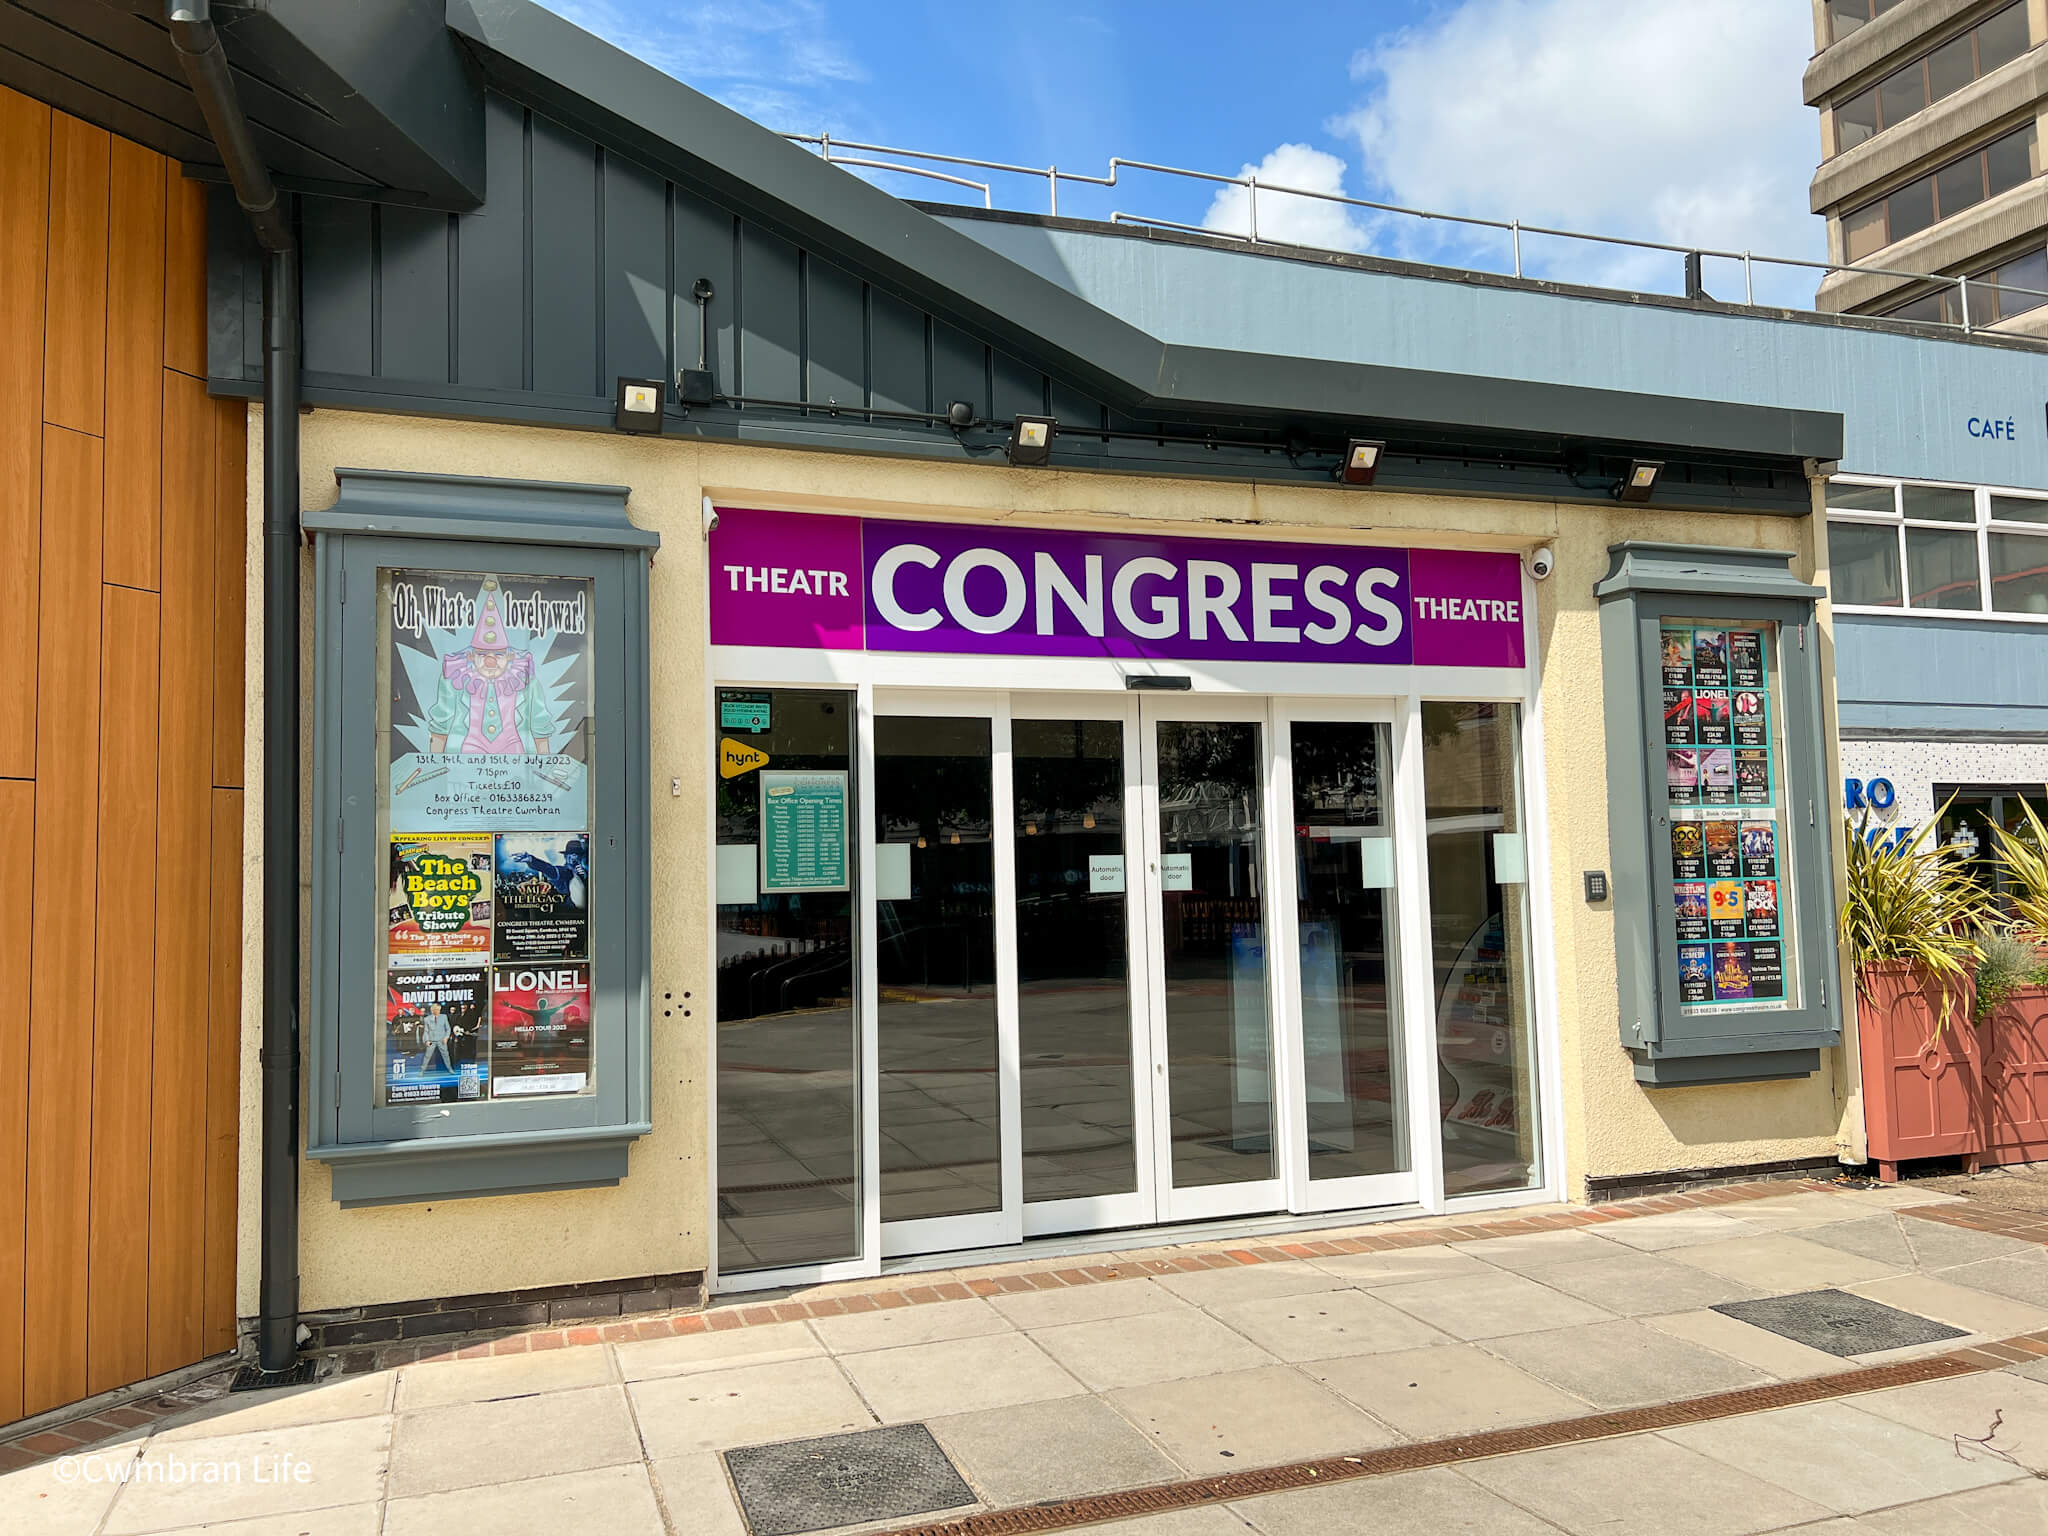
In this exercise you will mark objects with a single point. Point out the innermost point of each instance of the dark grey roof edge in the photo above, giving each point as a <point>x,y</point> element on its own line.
<point>616,97</point>
<point>1467,277</point>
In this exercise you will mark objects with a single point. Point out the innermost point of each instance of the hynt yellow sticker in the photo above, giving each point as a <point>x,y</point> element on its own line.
<point>736,758</point>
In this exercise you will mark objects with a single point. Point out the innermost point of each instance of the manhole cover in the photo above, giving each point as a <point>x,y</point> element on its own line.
<point>875,1474</point>
<point>1838,1322</point>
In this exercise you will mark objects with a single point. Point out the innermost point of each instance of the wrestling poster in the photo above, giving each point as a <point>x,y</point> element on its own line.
<point>489,690</point>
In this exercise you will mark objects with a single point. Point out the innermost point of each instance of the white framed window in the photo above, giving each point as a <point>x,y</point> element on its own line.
<point>1926,547</point>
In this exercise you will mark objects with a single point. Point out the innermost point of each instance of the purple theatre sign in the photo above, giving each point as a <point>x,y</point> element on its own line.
<point>820,582</point>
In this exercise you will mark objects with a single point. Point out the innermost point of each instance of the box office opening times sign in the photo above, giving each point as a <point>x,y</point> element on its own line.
<point>816,581</point>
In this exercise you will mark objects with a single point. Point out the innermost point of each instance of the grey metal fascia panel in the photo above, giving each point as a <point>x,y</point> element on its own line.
<point>1643,565</point>
<point>616,98</point>
<point>1707,1071</point>
<point>1204,378</point>
<point>391,501</point>
<point>402,1173</point>
<point>391,77</point>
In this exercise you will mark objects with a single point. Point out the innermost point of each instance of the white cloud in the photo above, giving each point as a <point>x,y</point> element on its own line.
<point>1293,220</point>
<point>776,61</point>
<point>1662,121</point>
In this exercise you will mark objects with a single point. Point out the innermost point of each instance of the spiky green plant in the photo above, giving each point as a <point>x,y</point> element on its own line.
<point>1915,902</point>
<point>2022,854</point>
<point>2005,963</point>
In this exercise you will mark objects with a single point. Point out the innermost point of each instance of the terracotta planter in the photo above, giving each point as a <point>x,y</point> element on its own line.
<point>1923,1094</point>
<point>2014,1051</point>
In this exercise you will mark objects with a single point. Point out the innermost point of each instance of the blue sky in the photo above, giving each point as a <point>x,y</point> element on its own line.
<point>1657,119</point>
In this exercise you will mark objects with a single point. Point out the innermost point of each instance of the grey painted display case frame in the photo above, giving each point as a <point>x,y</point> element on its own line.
<point>1647,583</point>
<point>381,1156</point>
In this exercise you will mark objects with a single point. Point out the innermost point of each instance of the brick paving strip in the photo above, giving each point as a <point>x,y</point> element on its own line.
<point>2029,1226</point>
<point>1225,1487</point>
<point>883,1295</point>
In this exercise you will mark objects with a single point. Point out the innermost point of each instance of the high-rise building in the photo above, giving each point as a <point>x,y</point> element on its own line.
<point>1931,157</point>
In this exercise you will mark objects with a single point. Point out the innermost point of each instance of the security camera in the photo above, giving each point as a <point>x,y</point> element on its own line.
<point>1542,562</point>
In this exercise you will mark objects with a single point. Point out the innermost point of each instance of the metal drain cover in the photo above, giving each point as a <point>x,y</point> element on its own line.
<point>874,1474</point>
<point>1838,1322</point>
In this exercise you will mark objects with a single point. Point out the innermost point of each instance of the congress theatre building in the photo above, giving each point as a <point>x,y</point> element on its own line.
<point>966,730</point>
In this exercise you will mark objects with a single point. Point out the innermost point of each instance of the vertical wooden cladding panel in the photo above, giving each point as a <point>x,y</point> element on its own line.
<point>223,1068</point>
<point>338,318</point>
<point>137,282</point>
<point>24,244</point>
<point>119,1255</point>
<point>959,369</point>
<point>564,233</point>
<point>75,342</point>
<point>184,840</point>
<point>636,296</point>
<point>835,335</point>
<point>62,942</point>
<point>899,359</point>
<point>771,316</point>
<point>412,308</point>
<point>230,588</point>
<point>186,277</point>
<point>490,260</point>
<point>706,246</point>
<point>17,913</point>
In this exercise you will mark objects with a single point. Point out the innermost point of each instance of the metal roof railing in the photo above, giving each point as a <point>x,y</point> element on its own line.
<point>834,151</point>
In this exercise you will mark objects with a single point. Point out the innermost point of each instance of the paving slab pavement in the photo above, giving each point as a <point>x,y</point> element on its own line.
<point>1133,1377</point>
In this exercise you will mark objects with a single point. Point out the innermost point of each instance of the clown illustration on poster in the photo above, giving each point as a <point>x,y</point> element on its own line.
<point>489,693</point>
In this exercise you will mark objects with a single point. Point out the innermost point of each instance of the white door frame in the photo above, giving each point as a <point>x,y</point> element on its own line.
<point>1400,802</point>
<point>1273,695</point>
<point>1137,1207</point>
<point>982,1229</point>
<point>1203,1202</point>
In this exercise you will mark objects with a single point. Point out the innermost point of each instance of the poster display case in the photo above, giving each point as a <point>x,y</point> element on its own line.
<point>1718,814</point>
<point>480,992</point>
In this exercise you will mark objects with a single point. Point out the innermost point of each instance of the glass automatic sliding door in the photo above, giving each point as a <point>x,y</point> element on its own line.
<point>1079,1020</point>
<point>1206,778</point>
<point>1355,1105</point>
<point>940,1017</point>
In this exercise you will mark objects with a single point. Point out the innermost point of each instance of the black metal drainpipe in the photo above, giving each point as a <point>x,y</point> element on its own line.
<point>206,67</point>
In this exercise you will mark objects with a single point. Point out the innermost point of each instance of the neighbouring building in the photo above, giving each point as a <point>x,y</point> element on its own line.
<point>1930,154</point>
<point>818,733</point>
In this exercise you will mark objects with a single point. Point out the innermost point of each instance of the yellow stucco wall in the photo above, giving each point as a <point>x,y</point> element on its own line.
<point>656,1221</point>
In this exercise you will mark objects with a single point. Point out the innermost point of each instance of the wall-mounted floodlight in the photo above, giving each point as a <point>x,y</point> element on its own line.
<point>1030,440</point>
<point>1640,482</point>
<point>1361,461</point>
<point>637,406</point>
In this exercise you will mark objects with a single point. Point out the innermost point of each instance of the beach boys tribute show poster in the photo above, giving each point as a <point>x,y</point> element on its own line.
<point>540,1030</point>
<point>543,898</point>
<point>490,700</point>
<point>440,895</point>
<point>434,1034</point>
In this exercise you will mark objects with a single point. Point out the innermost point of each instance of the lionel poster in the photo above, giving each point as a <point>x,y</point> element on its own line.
<point>489,691</point>
<point>540,1030</point>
